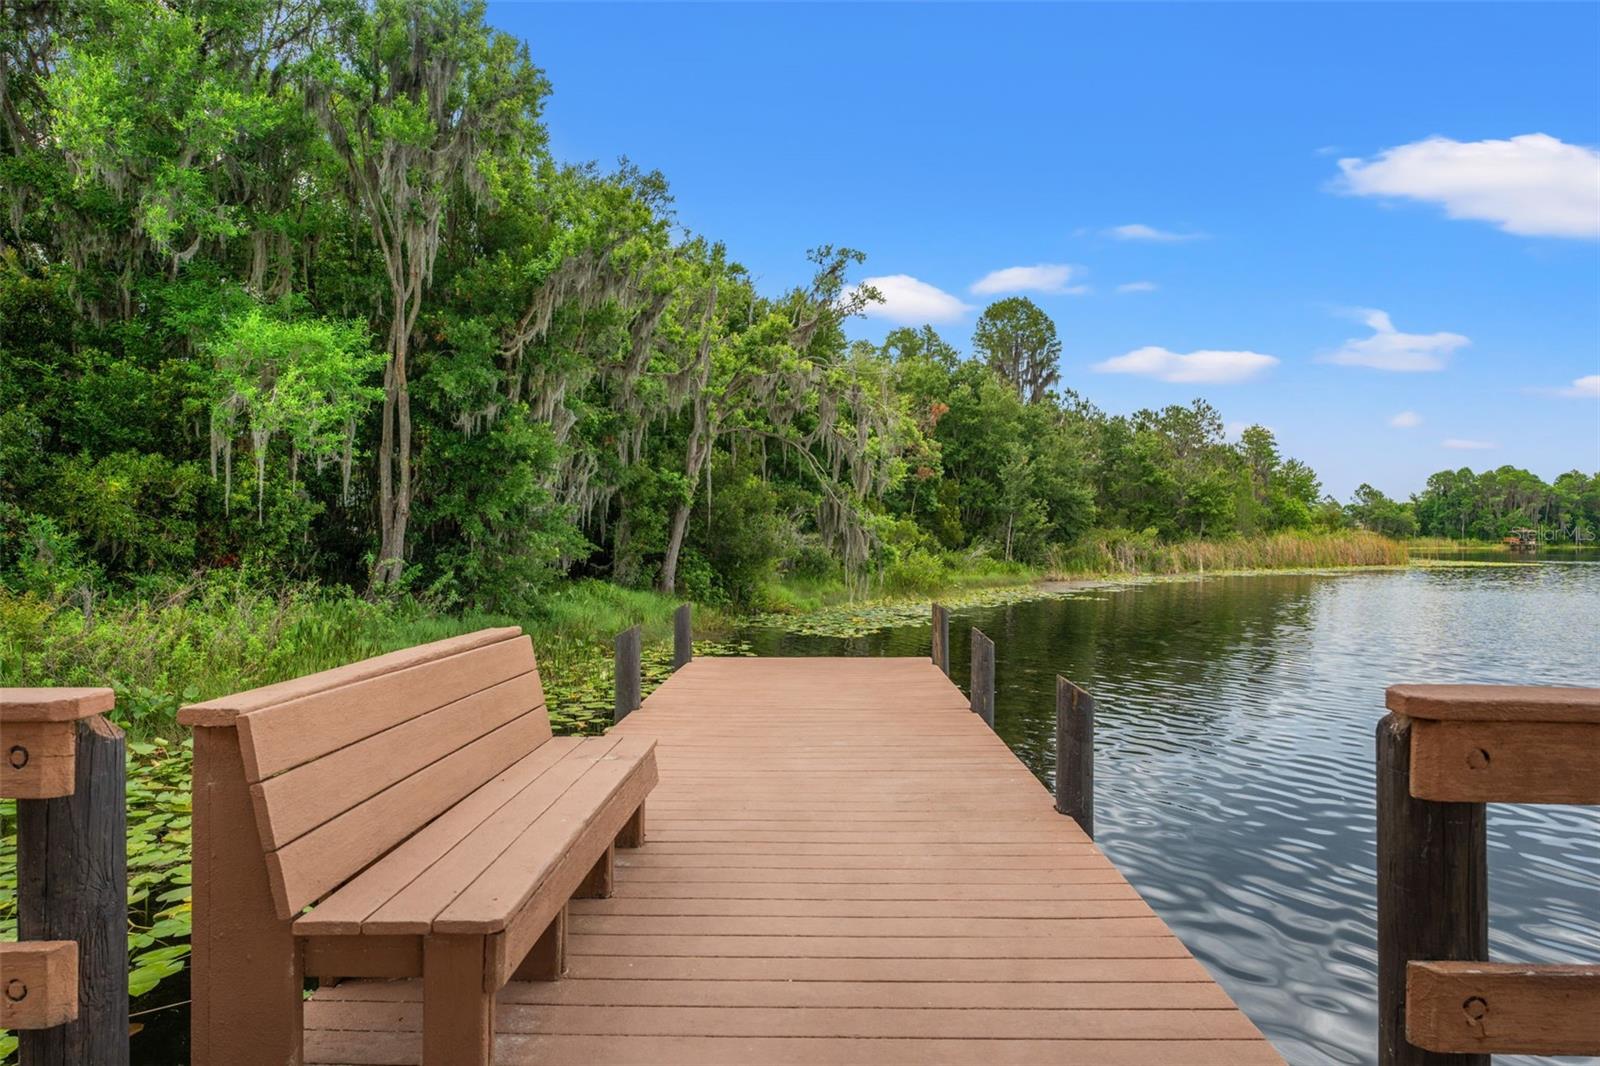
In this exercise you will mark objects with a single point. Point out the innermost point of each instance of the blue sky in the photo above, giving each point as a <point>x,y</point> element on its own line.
<point>1445,276</point>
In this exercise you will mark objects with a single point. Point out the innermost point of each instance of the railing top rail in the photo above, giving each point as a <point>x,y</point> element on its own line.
<point>54,704</point>
<point>1495,703</point>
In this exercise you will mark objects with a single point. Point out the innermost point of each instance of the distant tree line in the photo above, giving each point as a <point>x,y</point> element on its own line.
<point>297,288</point>
<point>1462,505</point>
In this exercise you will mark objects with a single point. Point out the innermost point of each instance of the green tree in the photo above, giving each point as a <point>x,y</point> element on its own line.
<point>1370,509</point>
<point>302,378</point>
<point>1018,341</point>
<point>423,104</point>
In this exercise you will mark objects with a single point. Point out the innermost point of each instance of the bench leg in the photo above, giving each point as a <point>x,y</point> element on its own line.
<point>457,1014</point>
<point>547,959</point>
<point>246,978</point>
<point>632,834</point>
<point>598,884</point>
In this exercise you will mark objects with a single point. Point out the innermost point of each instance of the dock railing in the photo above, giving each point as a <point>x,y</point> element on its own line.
<point>1443,753</point>
<point>64,981</point>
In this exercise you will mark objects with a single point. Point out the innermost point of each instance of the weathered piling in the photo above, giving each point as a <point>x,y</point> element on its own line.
<point>1445,752</point>
<point>941,638</point>
<point>67,766</point>
<point>1433,892</point>
<point>982,686</point>
<point>682,636</point>
<point>1075,754</point>
<point>629,682</point>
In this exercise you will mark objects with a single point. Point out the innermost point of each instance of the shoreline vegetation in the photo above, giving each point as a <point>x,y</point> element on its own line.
<point>210,637</point>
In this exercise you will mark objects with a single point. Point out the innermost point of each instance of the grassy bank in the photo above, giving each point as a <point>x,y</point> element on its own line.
<point>1447,544</point>
<point>1122,554</point>
<point>918,576</point>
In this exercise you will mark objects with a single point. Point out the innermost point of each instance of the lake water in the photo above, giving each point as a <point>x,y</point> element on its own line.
<point>1234,761</point>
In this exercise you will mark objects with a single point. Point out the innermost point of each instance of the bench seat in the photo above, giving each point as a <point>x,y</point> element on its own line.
<point>502,864</point>
<point>476,867</point>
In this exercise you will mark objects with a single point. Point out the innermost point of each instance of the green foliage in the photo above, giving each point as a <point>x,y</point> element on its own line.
<point>1371,509</point>
<point>160,906</point>
<point>1018,341</point>
<point>279,374</point>
<point>136,512</point>
<point>1462,505</point>
<point>738,533</point>
<point>40,558</point>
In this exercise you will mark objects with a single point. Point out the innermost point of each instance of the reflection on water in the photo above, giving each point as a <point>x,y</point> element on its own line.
<point>1234,781</point>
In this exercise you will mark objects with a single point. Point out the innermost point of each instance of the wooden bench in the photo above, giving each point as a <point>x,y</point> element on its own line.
<point>418,804</point>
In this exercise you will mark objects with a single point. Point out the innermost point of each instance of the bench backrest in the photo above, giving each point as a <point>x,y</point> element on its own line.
<point>346,764</point>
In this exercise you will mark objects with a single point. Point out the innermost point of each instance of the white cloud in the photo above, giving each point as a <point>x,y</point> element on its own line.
<point>1138,286</point>
<point>1389,349</point>
<point>1138,231</point>
<point>1586,387</point>
<point>911,301</point>
<point>1533,185</point>
<point>1406,420</point>
<point>1206,367</point>
<point>1457,444</point>
<point>1043,277</point>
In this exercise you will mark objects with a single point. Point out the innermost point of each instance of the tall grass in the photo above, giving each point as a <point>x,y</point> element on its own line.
<point>917,574</point>
<point>209,640</point>
<point>1120,552</point>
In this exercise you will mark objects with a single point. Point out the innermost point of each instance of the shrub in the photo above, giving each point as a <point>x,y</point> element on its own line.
<point>918,572</point>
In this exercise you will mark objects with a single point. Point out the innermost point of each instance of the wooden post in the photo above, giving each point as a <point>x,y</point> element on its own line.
<point>631,835</point>
<point>72,866</point>
<point>682,636</point>
<point>1075,754</point>
<point>602,877</point>
<point>982,676</point>
<point>72,862</point>
<point>457,1014</point>
<point>628,679</point>
<point>941,638</point>
<point>547,959</point>
<point>1433,892</point>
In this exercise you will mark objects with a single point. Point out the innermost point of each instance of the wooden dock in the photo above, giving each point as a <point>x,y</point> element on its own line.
<point>843,864</point>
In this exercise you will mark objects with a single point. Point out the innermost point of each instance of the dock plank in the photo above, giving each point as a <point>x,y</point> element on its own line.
<point>843,865</point>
